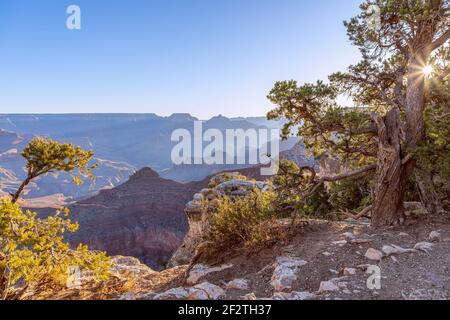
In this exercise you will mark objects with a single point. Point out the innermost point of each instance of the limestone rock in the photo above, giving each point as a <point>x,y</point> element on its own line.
<point>129,266</point>
<point>424,247</point>
<point>206,291</point>
<point>340,243</point>
<point>172,294</point>
<point>349,235</point>
<point>434,236</point>
<point>250,297</point>
<point>393,249</point>
<point>238,284</point>
<point>328,286</point>
<point>293,296</point>
<point>200,270</point>
<point>373,254</point>
<point>285,272</point>
<point>349,271</point>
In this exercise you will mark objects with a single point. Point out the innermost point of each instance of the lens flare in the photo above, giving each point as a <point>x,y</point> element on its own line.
<point>427,70</point>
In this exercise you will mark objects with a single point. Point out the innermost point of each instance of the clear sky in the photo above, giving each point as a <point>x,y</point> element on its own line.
<point>204,57</point>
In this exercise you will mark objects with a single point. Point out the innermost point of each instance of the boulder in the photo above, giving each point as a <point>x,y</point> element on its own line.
<point>327,286</point>
<point>424,247</point>
<point>200,270</point>
<point>206,291</point>
<point>434,236</point>
<point>285,272</point>
<point>173,294</point>
<point>238,284</point>
<point>374,254</point>
<point>129,266</point>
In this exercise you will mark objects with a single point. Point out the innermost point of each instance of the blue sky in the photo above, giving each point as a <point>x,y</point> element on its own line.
<point>205,57</point>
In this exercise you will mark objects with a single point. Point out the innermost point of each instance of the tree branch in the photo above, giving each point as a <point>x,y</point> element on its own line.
<point>340,177</point>
<point>440,41</point>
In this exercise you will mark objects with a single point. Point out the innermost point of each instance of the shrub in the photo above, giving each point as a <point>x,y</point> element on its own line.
<point>288,184</point>
<point>33,252</point>
<point>354,194</point>
<point>241,221</point>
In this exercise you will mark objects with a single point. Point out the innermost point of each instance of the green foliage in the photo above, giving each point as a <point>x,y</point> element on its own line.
<point>289,201</point>
<point>46,156</point>
<point>398,20</point>
<point>317,206</point>
<point>33,250</point>
<point>325,126</point>
<point>433,154</point>
<point>241,221</point>
<point>353,194</point>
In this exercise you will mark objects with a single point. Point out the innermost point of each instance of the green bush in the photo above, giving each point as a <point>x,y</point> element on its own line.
<point>33,251</point>
<point>353,194</point>
<point>241,221</point>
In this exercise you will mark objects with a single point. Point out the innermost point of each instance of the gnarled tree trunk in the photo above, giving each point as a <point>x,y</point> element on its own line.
<point>391,181</point>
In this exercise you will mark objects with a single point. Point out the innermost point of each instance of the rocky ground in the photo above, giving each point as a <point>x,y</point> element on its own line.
<point>321,260</point>
<point>330,260</point>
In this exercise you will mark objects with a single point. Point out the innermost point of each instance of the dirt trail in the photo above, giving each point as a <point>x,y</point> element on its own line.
<point>328,249</point>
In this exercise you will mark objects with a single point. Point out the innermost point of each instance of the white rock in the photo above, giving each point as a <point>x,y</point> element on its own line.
<point>328,286</point>
<point>434,236</point>
<point>293,296</point>
<point>340,243</point>
<point>176,293</point>
<point>238,284</point>
<point>349,235</point>
<point>349,271</point>
<point>327,254</point>
<point>424,247</point>
<point>129,265</point>
<point>285,272</point>
<point>198,197</point>
<point>373,254</point>
<point>200,270</point>
<point>206,291</point>
<point>393,249</point>
<point>250,297</point>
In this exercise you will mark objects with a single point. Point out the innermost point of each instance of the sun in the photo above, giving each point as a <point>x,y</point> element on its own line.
<point>427,70</point>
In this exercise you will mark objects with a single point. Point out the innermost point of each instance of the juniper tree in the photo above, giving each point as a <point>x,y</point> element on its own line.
<point>44,156</point>
<point>383,131</point>
<point>33,252</point>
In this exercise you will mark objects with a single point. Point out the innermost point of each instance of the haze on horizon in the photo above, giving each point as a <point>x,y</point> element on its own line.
<point>166,56</point>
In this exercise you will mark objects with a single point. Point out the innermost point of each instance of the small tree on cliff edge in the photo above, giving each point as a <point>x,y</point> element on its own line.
<point>397,38</point>
<point>45,156</point>
<point>33,253</point>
